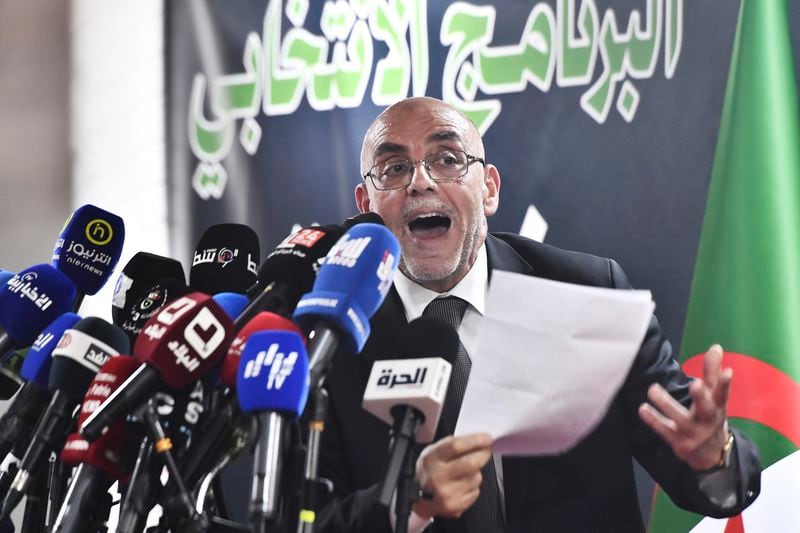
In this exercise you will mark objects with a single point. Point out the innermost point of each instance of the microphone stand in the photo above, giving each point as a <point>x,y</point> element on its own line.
<point>400,472</point>
<point>33,521</point>
<point>315,489</point>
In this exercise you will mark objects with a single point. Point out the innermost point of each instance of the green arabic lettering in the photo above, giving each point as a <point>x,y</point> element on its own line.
<point>393,72</point>
<point>506,69</point>
<point>466,28</point>
<point>576,55</point>
<point>674,36</point>
<point>209,139</point>
<point>344,80</point>
<point>285,81</point>
<point>633,52</point>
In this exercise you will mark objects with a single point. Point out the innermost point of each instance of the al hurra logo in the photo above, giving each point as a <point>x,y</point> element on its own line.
<point>563,44</point>
<point>99,232</point>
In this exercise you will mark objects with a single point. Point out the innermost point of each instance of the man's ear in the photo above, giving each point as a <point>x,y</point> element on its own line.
<point>362,197</point>
<point>491,199</point>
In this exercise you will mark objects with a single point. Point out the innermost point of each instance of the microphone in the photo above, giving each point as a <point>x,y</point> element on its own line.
<point>232,302</point>
<point>142,272</point>
<point>89,246</point>
<point>409,394</point>
<point>29,301</point>
<point>149,304</point>
<point>289,271</point>
<point>80,353</point>
<point>5,275</point>
<point>272,383</point>
<point>225,259</point>
<point>221,436</point>
<point>181,343</point>
<point>350,286</point>
<point>99,463</point>
<point>263,321</point>
<point>20,419</point>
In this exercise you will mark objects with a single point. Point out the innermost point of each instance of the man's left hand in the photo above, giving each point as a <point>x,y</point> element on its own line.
<point>698,434</point>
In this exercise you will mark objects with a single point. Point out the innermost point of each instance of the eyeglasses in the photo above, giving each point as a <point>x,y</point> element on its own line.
<point>442,166</point>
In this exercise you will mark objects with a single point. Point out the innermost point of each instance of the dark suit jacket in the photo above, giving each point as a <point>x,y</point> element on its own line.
<point>589,488</point>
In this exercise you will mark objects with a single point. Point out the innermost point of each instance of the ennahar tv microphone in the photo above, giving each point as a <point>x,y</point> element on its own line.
<point>272,385</point>
<point>351,285</point>
<point>89,247</point>
<point>150,303</point>
<point>225,260</point>
<point>142,272</point>
<point>29,301</point>
<point>180,344</point>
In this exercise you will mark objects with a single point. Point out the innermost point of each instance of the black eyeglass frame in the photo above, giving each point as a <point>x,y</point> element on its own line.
<point>413,166</point>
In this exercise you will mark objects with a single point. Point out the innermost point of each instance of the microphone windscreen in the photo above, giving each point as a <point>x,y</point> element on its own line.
<point>232,302</point>
<point>36,367</point>
<point>296,261</point>
<point>185,339</point>
<point>89,246</point>
<point>107,451</point>
<point>80,353</point>
<point>141,273</point>
<point>149,304</point>
<point>226,259</point>
<point>430,337</point>
<point>32,299</point>
<point>352,283</point>
<point>362,218</point>
<point>5,275</point>
<point>263,321</point>
<point>273,373</point>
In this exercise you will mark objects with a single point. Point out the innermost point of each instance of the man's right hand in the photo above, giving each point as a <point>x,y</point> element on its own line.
<point>451,470</point>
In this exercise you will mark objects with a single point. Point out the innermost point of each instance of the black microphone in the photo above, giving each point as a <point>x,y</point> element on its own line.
<point>151,301</point>
<point>289,271</point>
<point>409,393</point>
<point>142,272</point>
<point>225,259</point>
<point>80,353</point>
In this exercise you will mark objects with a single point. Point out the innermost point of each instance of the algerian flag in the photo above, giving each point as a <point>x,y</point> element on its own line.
<point>746,287</point>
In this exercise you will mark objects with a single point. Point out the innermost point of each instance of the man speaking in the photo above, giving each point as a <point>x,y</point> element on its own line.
<point>424,171</point>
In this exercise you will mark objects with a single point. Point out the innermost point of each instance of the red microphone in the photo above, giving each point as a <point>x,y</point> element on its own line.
<point>263,321</point>
<point>180,344</point>
<point>99,463</point>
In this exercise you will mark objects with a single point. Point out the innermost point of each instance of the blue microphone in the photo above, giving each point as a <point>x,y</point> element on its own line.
<point>272,384</point>
<point>350,286</point>
<point>18,423</point>
<point>36,368</point>
<point>89,246</point>
<point>232,303</point>
<point>5,275</point>
<point>29,301</point>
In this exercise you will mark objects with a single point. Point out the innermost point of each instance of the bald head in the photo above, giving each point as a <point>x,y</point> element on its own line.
<point>439,221</point>
<point>413,110</point>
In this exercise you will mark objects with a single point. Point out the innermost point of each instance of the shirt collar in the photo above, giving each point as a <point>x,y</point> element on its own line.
<point>472,289</point>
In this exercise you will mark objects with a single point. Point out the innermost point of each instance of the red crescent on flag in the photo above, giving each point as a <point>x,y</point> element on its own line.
<point>759,392</point>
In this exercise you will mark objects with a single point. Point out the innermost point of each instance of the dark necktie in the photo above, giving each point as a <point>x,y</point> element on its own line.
<point>485,515</point>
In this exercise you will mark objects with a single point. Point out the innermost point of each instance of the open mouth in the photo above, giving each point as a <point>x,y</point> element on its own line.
<point>430,225</point>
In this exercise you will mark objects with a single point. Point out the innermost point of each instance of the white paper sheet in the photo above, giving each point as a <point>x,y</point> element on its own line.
<point>550,358</point>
